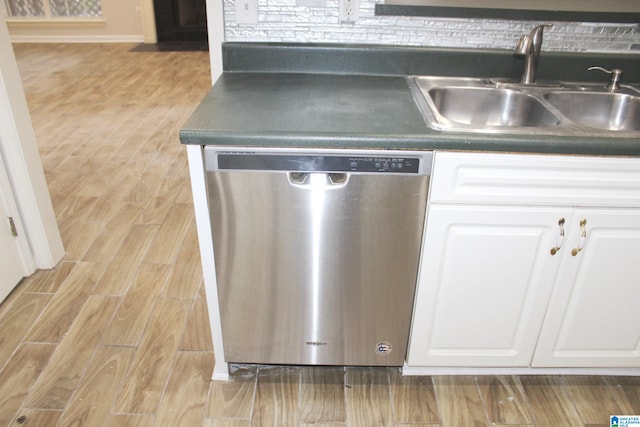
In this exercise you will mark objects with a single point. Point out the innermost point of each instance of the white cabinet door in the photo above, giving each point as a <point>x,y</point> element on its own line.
<point>594,314</point>
<point>485,280</point>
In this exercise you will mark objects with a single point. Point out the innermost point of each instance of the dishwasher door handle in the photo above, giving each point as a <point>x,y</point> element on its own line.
<point>318,179</point>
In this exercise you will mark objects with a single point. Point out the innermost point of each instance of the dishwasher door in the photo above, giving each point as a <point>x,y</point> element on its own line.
<point>316,253</point>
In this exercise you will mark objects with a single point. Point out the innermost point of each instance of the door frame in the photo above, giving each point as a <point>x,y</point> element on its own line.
<point>9,208</point>
<point>19,151</point>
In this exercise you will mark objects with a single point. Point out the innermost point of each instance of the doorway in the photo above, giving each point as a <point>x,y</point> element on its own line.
<point>181,20</point>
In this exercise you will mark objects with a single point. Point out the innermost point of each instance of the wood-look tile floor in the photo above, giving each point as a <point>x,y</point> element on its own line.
<point>118,334</point>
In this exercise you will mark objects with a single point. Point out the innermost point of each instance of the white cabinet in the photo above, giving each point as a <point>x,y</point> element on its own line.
<point>593,318</point>
<point>485,279</point>
<point>491,294</point>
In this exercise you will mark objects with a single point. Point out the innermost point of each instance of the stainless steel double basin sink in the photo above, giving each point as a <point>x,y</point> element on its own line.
<point>556,108</point>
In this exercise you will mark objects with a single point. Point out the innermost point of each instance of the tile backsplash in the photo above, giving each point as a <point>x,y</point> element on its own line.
<point>285,21</point>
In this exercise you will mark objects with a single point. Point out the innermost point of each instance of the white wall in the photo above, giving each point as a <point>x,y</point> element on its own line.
<point>122,22</point>
<point>284,21</point>
<point>20,152</point>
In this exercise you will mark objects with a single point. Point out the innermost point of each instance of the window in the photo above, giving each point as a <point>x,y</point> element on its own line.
<point>54,8</point>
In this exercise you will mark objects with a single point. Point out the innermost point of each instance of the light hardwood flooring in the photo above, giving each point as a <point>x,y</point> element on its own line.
<point>118,335</point>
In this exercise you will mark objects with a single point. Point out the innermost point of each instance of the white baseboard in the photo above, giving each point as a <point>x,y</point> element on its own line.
<point>420,370</point>
<point>23,38</point>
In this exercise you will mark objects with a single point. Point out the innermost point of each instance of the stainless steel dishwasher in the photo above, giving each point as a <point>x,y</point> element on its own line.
<point>316,252</point>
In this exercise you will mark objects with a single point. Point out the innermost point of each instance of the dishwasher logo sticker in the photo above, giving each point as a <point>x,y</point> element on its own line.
<point>383,348</point>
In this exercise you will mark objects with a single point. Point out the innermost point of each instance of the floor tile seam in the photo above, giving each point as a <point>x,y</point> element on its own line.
<point>132,129</point>
<point>609,380</point>
<point>527,402</point>
<point>92,291</point>
<point>487,405</point>
<point>174,257</point>
<point>205,403</point>
<point>120,388</point>
<point>483,401</point>
<point>65,241</point>
<point>63,215</point>
<point>435,396</point>
<point>105,345</point>
<point>146,323</point>
<point>82,377</point>
<point>565,389</point>
<point>192,305</point>
<point>170,265</point>
<point>44,369</point>
<point>72,153</point>
<point>402,424</point>
<point>437,399</point>
<point>231,380</point>
<point>12,301</point>
<point>28,332</point>
<point>157,124</point>
<point>35,381</point>
<point>206,415</point>
<point>560,388</point>
<point>431,381</point>
<point>139,219</point>
<point>162,291</point>
<point>570,396</point>
<point>392,404</point>
<point>22,342</point>
<point>300,395</point>
<point>115,250</point>
<point>170,373</point>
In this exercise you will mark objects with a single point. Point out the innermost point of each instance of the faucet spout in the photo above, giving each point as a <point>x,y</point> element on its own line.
<point>529,47</point>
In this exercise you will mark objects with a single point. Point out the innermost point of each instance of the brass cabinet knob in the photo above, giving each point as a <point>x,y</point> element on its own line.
<point>560,240</point>
<point>583,238</point>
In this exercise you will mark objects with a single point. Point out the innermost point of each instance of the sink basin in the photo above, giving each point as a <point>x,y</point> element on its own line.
<point>607,111</point>
<point>490,107</point>
<point>496,106</point>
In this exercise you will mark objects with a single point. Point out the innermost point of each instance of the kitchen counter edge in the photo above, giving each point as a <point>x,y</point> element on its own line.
<point>258,62</point>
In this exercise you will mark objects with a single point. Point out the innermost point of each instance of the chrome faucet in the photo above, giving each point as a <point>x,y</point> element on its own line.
<point>529,47</point>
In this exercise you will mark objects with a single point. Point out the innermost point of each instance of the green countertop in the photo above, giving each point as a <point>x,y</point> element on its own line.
<point>338,111</point>
<point>304,109</point>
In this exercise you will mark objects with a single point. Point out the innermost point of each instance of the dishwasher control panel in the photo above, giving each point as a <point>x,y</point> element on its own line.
<point>317,163</point>
<point>384,164</point>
